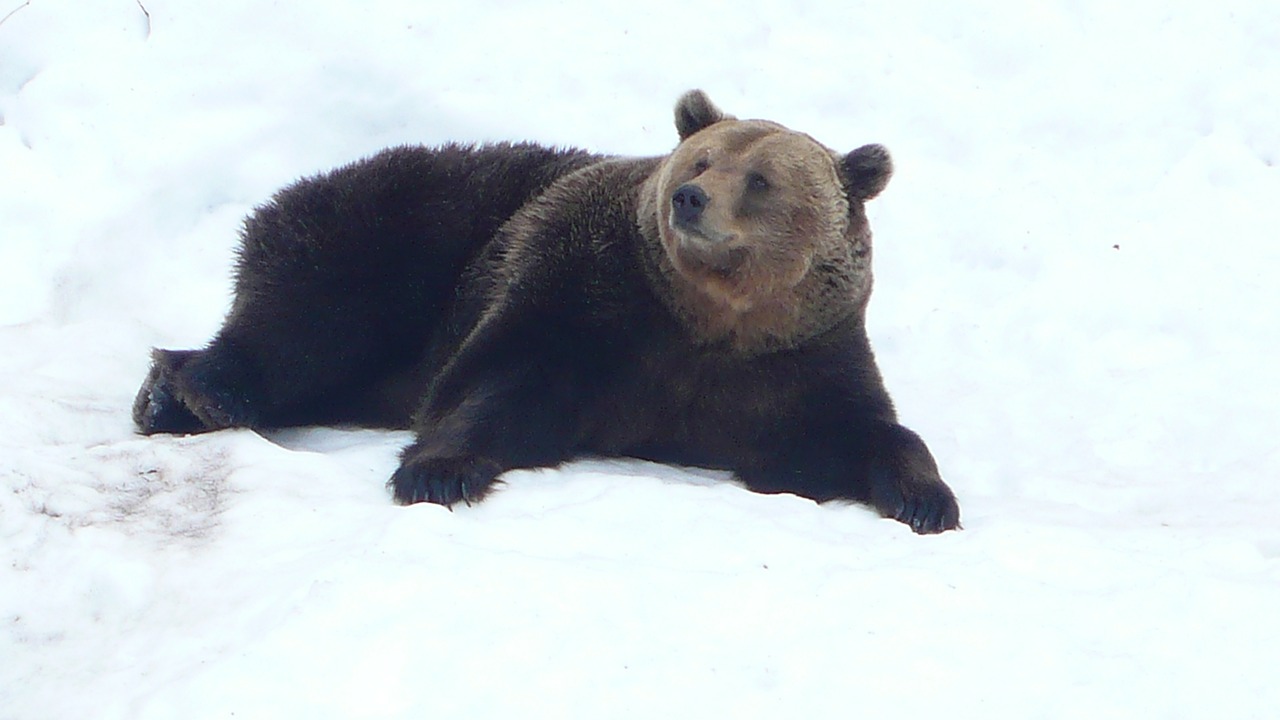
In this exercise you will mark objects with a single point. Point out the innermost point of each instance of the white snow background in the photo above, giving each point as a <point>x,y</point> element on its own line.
<point>1077,268</point>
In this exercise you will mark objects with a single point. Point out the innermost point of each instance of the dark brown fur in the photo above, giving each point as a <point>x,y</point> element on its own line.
<point>527,306</point>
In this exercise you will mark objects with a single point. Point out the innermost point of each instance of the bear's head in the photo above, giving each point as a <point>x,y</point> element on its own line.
<point>764,239</point>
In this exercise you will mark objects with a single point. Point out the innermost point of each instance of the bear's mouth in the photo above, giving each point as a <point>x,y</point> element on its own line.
<point>696,252</point>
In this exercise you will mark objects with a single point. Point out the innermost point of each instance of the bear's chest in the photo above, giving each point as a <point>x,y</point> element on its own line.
<point>695,407</point>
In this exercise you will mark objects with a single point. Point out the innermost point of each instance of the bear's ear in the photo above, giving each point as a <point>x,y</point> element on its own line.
<point>695,111</point>
<point>867,170</point>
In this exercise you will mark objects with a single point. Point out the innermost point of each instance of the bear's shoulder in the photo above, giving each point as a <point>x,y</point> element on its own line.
<point>581,236</point>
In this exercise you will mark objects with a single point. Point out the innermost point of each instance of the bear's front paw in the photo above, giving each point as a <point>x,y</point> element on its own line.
<point>927,505</point>
<point>906,485</point>
<point>443,481</point>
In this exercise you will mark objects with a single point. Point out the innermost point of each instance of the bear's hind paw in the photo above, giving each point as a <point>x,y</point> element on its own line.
<point>157,408</point>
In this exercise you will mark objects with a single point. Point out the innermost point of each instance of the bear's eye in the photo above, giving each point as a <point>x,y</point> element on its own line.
<point>701,166</point>
<point>757,182</point>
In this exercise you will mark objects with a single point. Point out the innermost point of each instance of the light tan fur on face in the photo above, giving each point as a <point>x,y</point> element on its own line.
<point>766,267</point>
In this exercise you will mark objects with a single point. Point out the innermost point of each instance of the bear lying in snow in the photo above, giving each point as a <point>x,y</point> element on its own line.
<point>520,306</point>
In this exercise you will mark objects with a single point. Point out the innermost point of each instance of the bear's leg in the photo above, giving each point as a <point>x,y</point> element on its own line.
<point>190,391</point>
<point>486,414</point>
<point>883,465</point>
<point>288,368</point>
<point>465,441</point>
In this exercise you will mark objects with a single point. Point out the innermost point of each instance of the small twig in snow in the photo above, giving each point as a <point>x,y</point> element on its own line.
<point>143,8</point>
<point>11,12</point>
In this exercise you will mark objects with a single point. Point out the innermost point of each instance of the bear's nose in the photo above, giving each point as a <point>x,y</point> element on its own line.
<point>687,204</point>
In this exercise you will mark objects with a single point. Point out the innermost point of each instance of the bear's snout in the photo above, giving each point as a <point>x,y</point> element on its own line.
<point>687,204</point>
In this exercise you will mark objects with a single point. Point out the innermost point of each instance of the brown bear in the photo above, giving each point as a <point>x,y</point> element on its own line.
<point>520,306</point>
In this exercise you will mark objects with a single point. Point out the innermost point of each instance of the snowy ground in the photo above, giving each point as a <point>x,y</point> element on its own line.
<point>1076,297</point>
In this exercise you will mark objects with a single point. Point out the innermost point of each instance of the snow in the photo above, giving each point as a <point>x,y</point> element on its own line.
<point>1075,307</point>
